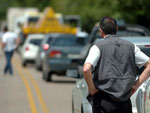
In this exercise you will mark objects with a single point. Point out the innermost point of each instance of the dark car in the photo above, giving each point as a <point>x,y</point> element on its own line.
<point>45,45</point>
<point>58,58</point>
<point>127,30</point>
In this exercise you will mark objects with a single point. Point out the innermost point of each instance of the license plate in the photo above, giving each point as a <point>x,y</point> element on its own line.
<point>73,56</point>
<point>73,73</point>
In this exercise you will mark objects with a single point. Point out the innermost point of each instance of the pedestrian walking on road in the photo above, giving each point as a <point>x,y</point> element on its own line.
<point>110,70</point>
<point>10,42</point>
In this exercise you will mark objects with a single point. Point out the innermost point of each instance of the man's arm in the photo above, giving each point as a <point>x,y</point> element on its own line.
<point>3,45</point>
<point>143,77</point>
<point>17,41</point>
<point>88,78</point>
<point>91,62</point>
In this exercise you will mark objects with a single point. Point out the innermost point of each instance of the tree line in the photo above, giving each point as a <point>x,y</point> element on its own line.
<point>131,11</point>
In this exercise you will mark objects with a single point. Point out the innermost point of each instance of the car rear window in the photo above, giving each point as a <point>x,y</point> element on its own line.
<point>35,41</point>
<point>65,41</point>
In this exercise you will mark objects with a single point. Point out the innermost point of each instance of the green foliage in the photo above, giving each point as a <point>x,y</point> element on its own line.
<point>91,11</point>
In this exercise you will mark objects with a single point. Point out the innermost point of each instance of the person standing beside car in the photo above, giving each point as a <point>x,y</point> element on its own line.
<point>10,41</point>
<point>110,70</point>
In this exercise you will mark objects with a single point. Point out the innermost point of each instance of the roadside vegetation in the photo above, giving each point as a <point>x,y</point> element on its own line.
<point>131,11</point>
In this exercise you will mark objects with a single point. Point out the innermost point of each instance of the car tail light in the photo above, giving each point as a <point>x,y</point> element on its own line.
<point>147,45</point>
<point>27,48</point>
<point>55,53</point>
<point>46,47</point>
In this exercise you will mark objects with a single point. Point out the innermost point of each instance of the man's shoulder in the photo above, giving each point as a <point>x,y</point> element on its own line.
<point>10,34</point>
<point>126,42</point>
<point>100,42</point>
<point>116,39</point>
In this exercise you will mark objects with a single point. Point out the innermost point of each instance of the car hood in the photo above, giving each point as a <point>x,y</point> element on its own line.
<point>138,40</point>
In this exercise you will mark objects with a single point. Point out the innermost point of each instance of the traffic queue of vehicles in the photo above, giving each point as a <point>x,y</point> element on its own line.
<point>52,53</point>
<point>64,54</point>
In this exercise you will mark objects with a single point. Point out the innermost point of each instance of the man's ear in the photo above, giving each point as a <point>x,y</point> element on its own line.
<point>101,32</point>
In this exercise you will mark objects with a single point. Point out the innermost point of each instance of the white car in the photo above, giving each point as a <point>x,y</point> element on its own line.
<point>146,99</point>
<point>142,98</point>
<point>30,48</point>
<point>80,103</point>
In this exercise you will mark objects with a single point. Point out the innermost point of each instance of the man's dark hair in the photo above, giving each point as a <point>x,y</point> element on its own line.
<point>5,29</point>
<point>108,25</point>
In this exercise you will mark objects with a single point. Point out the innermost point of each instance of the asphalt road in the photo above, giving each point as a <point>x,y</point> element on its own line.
<point>26,92</point>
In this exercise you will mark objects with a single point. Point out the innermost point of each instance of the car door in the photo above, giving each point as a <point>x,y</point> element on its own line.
<point>147,98</point>
<point>80,92</point>
<point>77,97</point>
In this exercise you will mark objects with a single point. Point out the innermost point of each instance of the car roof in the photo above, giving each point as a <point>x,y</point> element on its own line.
<point>56,35</point>
<point>133,27</point>
<point>35,36</point>
<point>138,39</point>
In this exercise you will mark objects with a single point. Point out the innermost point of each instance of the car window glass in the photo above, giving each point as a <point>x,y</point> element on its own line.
<point>82,40</point>
<point>65,41</point>
<point>97,35</point>
<point>35,41</point>
<point>49,40</point>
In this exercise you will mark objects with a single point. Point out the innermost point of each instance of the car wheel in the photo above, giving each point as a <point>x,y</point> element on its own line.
<point>47,76</point>
<point>24,63</point>
<point>38,67</point>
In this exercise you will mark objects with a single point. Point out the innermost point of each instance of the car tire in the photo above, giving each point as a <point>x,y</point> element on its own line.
<point>38,67</point>
<point>24,63</point>
<point>47,76</point>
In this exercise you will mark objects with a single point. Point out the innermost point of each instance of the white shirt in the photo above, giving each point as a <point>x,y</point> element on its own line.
<point>9,38</point>
<point>94,55</point>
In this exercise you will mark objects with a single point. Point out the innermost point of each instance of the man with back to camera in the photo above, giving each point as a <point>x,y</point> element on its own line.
<point>113,63</point>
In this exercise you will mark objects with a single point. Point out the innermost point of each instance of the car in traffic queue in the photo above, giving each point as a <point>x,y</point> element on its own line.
<point>134,33</point>
<point>30,48</point>
<point>46,43</point>
<point>44,46</point>
<point>58,58</point>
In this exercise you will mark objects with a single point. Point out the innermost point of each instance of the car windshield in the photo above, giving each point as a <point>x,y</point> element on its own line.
<point>35,41</point>
<point>66,40</point>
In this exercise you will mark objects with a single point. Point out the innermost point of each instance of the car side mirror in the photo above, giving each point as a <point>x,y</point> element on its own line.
<point>34,43</point>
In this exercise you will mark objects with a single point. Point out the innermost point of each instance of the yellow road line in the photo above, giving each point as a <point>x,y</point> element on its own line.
<point>29,93</point>
<point>38,91</point>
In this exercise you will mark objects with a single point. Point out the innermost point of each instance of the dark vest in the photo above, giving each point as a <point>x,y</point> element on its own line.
<point>115,72</point>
